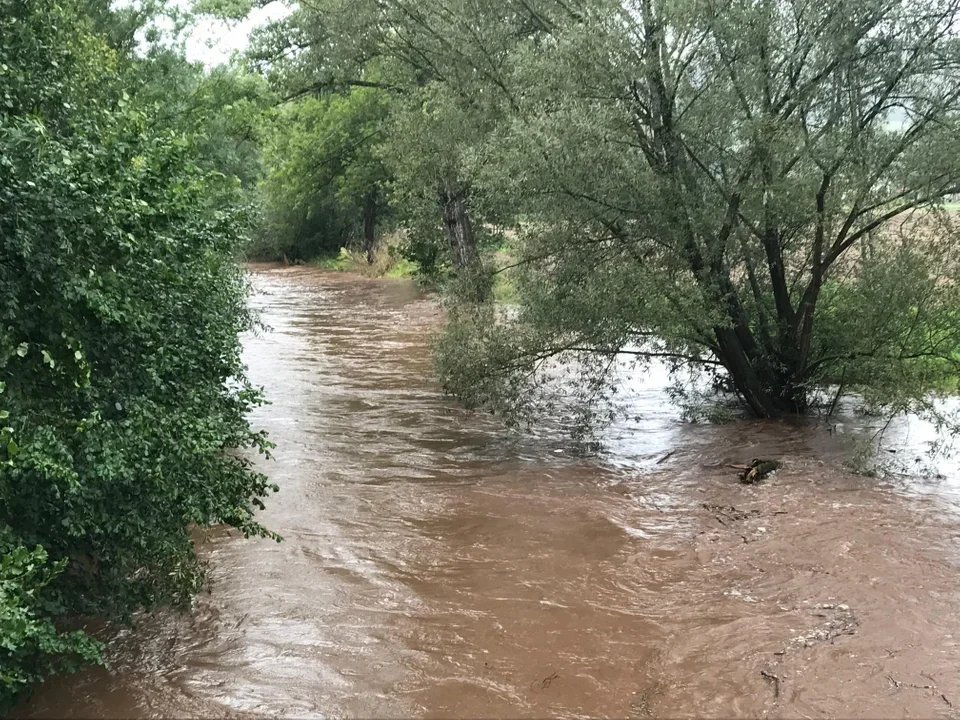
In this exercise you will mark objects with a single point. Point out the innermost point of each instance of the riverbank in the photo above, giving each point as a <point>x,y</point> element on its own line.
<point>435,565</point>
<point>387,263</point>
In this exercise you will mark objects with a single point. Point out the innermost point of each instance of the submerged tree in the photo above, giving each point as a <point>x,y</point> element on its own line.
<point>750,185</point>
<point>754,187</point>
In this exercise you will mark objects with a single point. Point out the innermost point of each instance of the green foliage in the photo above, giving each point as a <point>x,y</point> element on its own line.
<point>220,108</point>
<point>225,9</point>
<point>891,329</point>
<point>716,184</point>
<point>124,399</point>
<point>322,155</point>
<point>120,26</point>
<point>387,262</point>
<point>31,648</point>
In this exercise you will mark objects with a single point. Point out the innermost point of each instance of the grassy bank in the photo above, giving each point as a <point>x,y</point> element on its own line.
<point>387,263</point>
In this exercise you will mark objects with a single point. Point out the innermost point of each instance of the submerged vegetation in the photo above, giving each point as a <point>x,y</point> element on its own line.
<point>757,192</point>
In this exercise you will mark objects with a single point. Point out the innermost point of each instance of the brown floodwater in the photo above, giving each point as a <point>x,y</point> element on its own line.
<point>435,564</point>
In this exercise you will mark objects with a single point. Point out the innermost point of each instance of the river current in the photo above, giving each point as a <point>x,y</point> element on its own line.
<point>436,565</point>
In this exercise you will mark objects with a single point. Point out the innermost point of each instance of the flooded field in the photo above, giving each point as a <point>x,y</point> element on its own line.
<point>437,565</point>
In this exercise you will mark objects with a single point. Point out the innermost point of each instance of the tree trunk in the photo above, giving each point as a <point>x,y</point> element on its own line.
<point>744,377</point>
<point>460,237</point>
<point>370,225</point>
<point>767,395</point>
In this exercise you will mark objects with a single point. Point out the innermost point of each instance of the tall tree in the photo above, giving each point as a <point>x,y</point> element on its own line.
<point>751,185</point>
<point>447,62</point>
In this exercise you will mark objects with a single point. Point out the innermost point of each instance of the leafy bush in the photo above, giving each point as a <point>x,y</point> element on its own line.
<point>121,302</point>
<point>387,262</point>
<point>30,646</point>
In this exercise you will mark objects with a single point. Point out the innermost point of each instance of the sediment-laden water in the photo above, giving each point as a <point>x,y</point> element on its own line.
<point>437,565</point>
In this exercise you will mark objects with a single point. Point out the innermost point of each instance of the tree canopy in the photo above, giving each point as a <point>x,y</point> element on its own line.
<point>755,188</point>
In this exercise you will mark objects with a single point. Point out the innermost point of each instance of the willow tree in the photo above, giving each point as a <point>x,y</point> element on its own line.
<point>755,186</point>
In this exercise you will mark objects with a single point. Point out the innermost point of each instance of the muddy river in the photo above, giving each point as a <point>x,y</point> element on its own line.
<point>437,565</point>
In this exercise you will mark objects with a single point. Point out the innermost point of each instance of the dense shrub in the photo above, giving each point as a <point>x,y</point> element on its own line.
<point>124,397</point>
